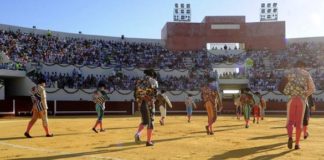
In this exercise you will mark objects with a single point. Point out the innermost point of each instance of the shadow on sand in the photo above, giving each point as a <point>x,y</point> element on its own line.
<point>240,153</point>
<point>281,127</point>
<point>109,149</point>
<point>43,136</point>
<point>268,137</point>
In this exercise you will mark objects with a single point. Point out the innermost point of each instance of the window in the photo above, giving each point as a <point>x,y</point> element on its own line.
<point>275,4</point>
<point>263,11</point>
<point>188,5</point>
<point>182,5</point>
<point>182,11</point>
<point>176,5</point>
<point>269,10</point>
<point>268,16</point>
<point>275,10</point>
<point>262,5</point>
<point>188,11</point>
<point>176,11</point>
<point>182,17</point>
<point>269,5</point>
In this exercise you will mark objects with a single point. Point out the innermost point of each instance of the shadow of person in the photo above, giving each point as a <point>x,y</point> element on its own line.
<point>109,149</point>
<point>267,137</point>
<point>216,130</point>
<point>132,143</point>
<point>226,126</point>
<point>281,127</point>
<point>271,156</point>
<point>239,153</point>
<point>40,136</point>
<point>117,128</point>
<point>64,155</point>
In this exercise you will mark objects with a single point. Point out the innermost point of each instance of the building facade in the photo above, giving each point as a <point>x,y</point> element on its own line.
<point>224,29</point>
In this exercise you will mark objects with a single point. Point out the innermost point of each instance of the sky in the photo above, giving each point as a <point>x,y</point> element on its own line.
<point>145,18</point>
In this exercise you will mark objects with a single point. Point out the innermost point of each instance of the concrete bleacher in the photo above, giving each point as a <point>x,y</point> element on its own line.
<point>226,52</point>
<point>76,35</point>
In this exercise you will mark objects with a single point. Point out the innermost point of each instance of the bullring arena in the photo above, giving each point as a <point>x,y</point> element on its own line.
<point>225,53</point>
<point>176,140</point>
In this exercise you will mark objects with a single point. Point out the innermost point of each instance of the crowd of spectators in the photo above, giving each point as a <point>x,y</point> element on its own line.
<point>12,66</point>
<point>119,81</point>
<point>262,77</point>
<point>28,47</point>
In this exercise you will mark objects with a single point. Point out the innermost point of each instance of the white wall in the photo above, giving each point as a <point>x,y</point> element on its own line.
<point>176,96</point>
<point>115,96</point>
<point>12,73</point>
<point>108,71</point>
<point>2,92</point>
<point>226,52</point>
<point>233,81</point>
<point>224,65</point>
<point>162,72</point>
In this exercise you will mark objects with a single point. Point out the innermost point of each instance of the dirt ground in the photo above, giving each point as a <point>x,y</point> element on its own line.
<point>178,139</point>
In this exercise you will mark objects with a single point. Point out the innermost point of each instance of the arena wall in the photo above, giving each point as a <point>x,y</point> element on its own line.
<point>23,106</point>
<point>88,70</point>
<point>2,92</point>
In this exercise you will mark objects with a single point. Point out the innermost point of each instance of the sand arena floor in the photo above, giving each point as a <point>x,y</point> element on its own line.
<point>178,139</point>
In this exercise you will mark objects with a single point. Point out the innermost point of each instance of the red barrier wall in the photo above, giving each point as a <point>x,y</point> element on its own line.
<point>23,104</point>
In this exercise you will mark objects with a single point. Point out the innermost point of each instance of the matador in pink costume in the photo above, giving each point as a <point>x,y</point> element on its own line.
<point>298,86</point>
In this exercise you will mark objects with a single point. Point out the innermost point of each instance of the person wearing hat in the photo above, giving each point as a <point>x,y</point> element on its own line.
<point>189,105</point>
<point>145,94</point>
<point>99,98</point>
<point>212,103</point>
<point>298,86</point>
<point>39,110</point>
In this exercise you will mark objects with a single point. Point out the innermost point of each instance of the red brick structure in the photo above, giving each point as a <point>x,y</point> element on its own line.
<point>224,29</point>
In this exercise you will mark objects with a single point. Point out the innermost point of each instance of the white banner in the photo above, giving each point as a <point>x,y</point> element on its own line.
<point>3,58</point>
